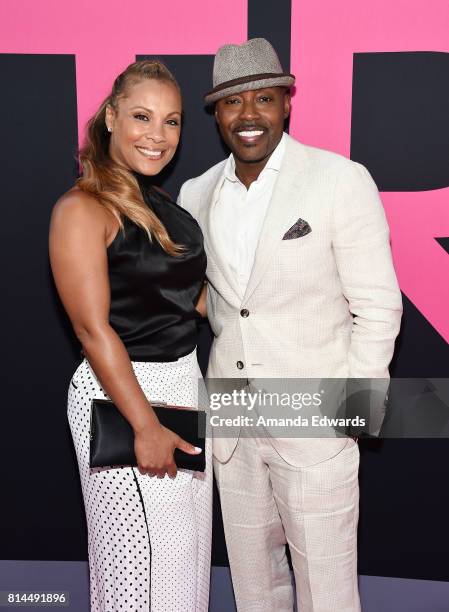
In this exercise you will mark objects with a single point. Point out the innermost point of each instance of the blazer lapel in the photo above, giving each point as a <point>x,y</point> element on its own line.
<point>283,211</point>
<point>212,241</point>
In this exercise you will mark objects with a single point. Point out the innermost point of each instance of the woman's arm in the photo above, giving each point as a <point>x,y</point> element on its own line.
<point>201,305</point>
<point>79,232</point>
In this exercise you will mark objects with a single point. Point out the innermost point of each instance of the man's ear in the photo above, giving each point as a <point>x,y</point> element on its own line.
<point>216,113</point>
<point>287,103</point>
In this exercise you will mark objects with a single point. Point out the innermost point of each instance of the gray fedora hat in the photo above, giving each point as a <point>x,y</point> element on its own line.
<point>252,65</point>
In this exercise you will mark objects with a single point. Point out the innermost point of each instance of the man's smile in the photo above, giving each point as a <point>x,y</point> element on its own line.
<point>249,135</point>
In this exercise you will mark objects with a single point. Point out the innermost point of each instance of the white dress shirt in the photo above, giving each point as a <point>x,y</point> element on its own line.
<point>238,214</point>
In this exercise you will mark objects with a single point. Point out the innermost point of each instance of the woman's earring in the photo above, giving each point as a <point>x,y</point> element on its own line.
<point>109,129</point>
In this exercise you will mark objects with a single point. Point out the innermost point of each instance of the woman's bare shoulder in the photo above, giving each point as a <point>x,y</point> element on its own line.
<point>76,204</point>
<point>78,210</point>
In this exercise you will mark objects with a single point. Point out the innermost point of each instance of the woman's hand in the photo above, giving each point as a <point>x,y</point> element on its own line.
<point>154,446</point>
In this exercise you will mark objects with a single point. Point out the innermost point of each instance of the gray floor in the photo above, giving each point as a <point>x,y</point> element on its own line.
<point>378,594</point>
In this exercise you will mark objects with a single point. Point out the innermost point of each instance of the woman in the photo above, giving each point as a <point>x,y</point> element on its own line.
<point>129,267</point>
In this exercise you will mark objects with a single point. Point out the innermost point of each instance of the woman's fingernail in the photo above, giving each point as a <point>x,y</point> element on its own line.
<point>198,450</point>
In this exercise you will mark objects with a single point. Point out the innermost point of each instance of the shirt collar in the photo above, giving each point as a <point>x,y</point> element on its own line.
<point>274,162</point>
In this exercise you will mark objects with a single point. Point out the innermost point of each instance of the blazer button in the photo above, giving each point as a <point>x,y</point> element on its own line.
<point>244,313</point>
<point>240,365</point>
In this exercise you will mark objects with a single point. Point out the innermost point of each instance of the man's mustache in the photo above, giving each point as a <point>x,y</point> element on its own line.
<point>249,126</point>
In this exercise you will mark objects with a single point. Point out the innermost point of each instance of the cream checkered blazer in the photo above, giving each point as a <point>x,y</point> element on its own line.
<point>323,305</point>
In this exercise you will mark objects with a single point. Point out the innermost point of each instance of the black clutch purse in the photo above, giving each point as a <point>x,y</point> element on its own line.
<point>112,437</point>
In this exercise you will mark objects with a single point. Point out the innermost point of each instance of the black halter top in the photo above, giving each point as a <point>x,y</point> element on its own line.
<point>153,294</point>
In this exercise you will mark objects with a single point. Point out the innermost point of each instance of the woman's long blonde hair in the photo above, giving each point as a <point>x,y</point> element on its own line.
<point>112,185</point>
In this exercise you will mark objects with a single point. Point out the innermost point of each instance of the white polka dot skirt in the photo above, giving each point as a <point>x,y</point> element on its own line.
<point>149,539</point>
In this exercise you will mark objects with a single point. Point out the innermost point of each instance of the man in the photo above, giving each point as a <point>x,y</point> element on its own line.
<point>300,285</point>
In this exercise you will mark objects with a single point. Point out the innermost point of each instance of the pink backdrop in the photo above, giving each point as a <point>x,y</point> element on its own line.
<point>325,34</point>
<point>105,36</point>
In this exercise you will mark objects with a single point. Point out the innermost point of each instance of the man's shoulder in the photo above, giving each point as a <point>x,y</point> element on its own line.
<point>209,176</point>
<point>319,159</point>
